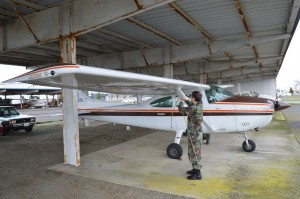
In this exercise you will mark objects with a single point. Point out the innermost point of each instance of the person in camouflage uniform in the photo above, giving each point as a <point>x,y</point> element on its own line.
<point>194,111</point>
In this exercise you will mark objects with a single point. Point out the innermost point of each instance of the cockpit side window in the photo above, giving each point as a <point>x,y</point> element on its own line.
<point>165,102</point>
<point>217,94</point>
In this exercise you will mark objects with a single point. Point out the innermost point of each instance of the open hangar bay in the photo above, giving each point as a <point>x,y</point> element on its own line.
<point>220,42</point>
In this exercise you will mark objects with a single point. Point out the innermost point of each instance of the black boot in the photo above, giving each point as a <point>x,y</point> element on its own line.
<point>196,175</point>
<point>197,171</point>
<point>190,171</point>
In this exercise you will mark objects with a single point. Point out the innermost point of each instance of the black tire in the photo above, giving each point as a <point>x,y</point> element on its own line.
<point>174,151</point>
<point>3,133</point>
<point>251,146</point>
<point>206,137</point>
<point>29,129</point>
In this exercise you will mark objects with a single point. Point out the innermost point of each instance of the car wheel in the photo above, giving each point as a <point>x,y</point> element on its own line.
<point>29,129</point>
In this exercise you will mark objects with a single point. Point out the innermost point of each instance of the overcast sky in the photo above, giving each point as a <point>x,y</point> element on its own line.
<point>290,69</point>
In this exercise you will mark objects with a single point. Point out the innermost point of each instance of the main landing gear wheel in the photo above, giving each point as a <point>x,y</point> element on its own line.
<point>250,147</point>
<point>174,151</point>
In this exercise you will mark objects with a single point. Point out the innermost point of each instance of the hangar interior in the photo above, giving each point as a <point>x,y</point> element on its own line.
<point>221,41</point>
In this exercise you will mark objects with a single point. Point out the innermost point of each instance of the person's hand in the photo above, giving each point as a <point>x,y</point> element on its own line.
<point>184,99</point>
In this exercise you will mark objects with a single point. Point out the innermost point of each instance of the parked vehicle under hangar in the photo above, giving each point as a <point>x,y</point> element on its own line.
<point>12,120</point>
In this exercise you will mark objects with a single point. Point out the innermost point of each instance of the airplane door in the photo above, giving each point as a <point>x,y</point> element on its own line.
<point>220,116</point>
<point>163,110</point>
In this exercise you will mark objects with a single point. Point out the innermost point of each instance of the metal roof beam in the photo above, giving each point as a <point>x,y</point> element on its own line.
<point>39,51</point>
<point>182,53</point>
<point>19,61</point>
<point>193,68</point>
<point>228,74</point>
<point>237,72</point>
<point>67,19</point>
<point>15,54</point>
<point>153,30</point>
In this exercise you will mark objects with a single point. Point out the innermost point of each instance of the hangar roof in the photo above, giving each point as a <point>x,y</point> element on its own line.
<point>231,40</point>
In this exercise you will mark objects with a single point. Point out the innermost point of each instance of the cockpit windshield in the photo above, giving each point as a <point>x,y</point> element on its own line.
<point>217,94</point>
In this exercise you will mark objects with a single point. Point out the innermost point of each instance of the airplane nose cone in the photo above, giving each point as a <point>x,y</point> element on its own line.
<point>280,106</point>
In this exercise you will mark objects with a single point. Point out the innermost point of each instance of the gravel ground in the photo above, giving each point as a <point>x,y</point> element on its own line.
<point>25,158</point>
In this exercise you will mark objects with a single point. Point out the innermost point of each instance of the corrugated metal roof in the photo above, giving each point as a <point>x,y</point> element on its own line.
<point>218,20</point>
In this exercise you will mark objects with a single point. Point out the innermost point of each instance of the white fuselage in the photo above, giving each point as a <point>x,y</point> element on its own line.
<point>219,117</point>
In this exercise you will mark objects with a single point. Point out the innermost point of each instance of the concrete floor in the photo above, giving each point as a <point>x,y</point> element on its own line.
<point>44,114</point>
<point>272,171</point>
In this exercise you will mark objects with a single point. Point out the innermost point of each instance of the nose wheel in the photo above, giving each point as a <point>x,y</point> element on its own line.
<point>248,145</point>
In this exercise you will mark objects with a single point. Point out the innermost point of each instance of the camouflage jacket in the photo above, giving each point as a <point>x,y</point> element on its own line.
<point>194,113</point>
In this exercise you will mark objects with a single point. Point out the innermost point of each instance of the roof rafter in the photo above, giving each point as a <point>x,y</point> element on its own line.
<point>248,34</point>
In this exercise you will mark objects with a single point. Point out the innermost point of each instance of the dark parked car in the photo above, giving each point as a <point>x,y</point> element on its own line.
<point>12,120</point>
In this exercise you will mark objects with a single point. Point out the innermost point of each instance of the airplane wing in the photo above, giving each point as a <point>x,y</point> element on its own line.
<point>27,89</point>
<point>105,80</point>
<point>225,85</point>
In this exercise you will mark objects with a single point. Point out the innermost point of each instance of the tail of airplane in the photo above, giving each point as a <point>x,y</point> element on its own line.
<point>85,101</point>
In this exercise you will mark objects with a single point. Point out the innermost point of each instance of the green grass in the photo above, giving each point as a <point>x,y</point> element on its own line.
<point>292,100</point>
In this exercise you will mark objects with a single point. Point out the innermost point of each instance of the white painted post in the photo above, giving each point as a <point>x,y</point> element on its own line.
<point>239,87</point>
<point>47,101</point>
<point>86,121</point>
<point>21,102</point>
<point>139,99</point>
<point>70,105</point>
<point>71,129</point>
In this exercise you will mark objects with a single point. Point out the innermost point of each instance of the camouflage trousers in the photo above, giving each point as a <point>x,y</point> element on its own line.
<point>194,147</point>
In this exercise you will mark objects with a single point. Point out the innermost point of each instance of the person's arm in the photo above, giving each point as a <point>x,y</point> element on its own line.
<point>185,110</point>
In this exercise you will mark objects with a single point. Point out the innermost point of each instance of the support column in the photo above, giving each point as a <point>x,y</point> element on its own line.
<point>21,102</point>
<point>70,105</point>
<point>219,81</point>
<point>239,87</point>
<point>86,122</point>
<point>47,101</point>
<point>168,72</point>
<point>139,99</point>
<point>203,75</point>
<point>68,50</point>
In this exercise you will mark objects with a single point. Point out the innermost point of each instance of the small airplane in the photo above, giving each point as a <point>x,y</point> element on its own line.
<point>21,89</point>
<point>223,111</point>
